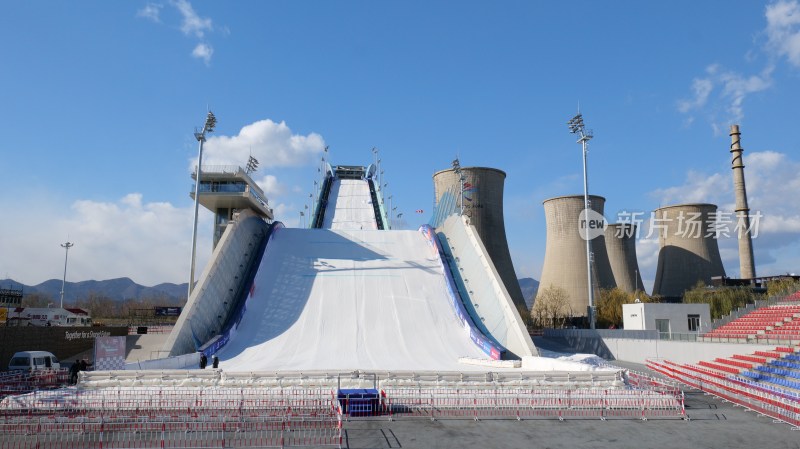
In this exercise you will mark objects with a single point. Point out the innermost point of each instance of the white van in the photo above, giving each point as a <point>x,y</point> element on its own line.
<point>33,360</point>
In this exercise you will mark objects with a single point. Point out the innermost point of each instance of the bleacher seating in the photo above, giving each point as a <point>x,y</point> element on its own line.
<point>767,381</point>
<point>776,322</point>
<point>779,369</point>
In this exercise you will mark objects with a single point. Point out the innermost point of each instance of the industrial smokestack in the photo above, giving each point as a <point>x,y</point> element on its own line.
<point>747,265</point>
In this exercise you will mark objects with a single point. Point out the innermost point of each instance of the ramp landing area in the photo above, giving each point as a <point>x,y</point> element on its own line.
<point>346,300</point>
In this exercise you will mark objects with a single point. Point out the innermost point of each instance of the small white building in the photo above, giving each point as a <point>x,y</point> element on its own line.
<point>48,316</point>
<point>667,318</point>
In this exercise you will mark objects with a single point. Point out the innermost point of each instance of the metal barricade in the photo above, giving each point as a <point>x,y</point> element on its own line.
<point>511,403</point>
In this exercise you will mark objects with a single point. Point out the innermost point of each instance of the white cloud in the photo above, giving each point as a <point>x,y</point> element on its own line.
<point>150,242</point>
<point>270,185</point>
<point>735,88</point>
<point>772,186</point>
<point>151,11</point>
<point>192,23</point>
<point>204,52</point>
<point>783,30</point>
<point>273,144</point>
<point>697,188</point>
<point>702,89</point>
<point>721,94</point>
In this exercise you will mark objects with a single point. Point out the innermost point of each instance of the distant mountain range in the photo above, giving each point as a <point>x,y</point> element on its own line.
<point>529,288</point>
<point>117,289</point>
<point>124,288</point>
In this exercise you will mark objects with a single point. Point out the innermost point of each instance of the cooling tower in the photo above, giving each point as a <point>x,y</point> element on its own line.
<point>565,252</point>
<point>747,266</point>
<point>621,249</point>
<point>689,252</point>
<point>483,204</point>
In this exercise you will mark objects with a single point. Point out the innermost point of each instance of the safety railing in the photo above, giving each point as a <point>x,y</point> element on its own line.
<point>172,434</point>
<point>122,403</point>
<point>642,381</point>
<point>20,382</point>
<point>171,417</point>
<point>479,404</point>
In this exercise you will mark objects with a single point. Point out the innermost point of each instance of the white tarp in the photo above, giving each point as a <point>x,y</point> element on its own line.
<point>345,300</point>
<point>350,206</point>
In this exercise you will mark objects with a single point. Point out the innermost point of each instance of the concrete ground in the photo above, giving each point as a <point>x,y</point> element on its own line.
<point>712,424</point>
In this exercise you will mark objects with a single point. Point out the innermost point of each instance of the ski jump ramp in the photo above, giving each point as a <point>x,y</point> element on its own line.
<point>350,297</point>
<point>347,300</point>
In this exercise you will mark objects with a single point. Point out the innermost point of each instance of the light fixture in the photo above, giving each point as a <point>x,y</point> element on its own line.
<point>252,165</point>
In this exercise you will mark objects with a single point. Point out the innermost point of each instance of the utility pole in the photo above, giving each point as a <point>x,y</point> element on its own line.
<point>66,247</point>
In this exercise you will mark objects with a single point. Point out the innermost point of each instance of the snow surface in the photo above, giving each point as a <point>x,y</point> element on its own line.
<point>346,300</point>
<point>349,206</point>
<point>557,361</point>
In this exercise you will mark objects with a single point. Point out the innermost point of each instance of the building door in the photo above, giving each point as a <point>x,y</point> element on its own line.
<point>662,325</point>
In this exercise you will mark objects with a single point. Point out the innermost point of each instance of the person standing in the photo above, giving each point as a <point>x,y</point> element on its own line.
<point>203,361</point>
<point>73,372</point>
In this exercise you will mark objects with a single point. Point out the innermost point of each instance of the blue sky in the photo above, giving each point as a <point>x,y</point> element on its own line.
<point>100,99</point>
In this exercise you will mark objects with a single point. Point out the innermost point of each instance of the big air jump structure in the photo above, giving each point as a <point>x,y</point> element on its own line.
<point>348,295</point>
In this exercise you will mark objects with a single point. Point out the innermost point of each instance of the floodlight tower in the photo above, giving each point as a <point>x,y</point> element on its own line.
<point>252,165</point>
<point>66,247</point>
<point>460,174</point>
<point>576,127</point>
<point>208,127</point>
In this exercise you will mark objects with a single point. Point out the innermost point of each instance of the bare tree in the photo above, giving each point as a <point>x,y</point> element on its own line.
<point>551,308</point>
<point>37,300</point>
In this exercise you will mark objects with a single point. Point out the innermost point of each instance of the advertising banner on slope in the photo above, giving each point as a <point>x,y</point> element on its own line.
<point>477,337</point>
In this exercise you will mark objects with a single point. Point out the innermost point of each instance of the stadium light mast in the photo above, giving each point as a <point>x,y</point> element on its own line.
<point>460,174</point>
<point>576,126</point>
<point>66,247</point>
<point>208,127</point>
